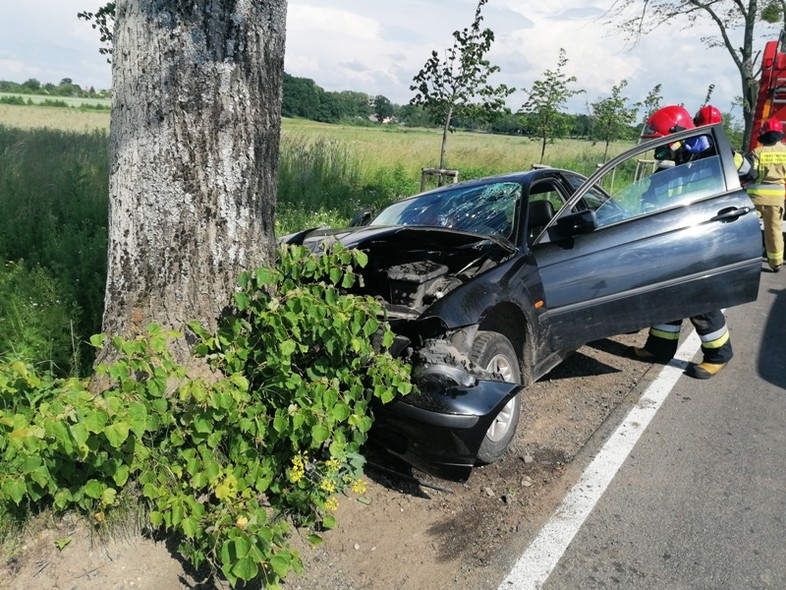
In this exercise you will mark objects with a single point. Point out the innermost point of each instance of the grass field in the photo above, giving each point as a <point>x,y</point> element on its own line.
<point>38,117</point>
<point>473,154</point>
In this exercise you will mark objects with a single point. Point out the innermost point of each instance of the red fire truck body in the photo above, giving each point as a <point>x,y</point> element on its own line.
<point>771,101</point>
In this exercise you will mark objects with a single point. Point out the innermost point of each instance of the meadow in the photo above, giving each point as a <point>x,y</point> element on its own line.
<point>54,199</point>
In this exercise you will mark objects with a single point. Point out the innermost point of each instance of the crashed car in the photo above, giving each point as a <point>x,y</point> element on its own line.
<point>489,284</point>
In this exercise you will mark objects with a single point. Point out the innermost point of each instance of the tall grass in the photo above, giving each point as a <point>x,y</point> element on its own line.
<point>53,195</point>
<point>54,204</point>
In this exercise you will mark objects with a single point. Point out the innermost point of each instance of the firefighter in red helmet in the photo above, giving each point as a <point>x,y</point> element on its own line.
<point>663,339</point>
<point>707,115</point>
<point>671,119</point>
<point>767,193</point>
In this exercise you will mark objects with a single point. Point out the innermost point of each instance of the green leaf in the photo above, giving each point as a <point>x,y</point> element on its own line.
<point>176,513</point>
<point>280,564</point>
<point>287,347</point>
<point>156,518</point>
<point>361,258</point>
<point>280,422</point>
<point>329,521</point>
<point>340,412</point>
<point>315,539</point>
<point>320,433</point>
<point>95,421</point>
<point>245,569</point>
<point>203,424</point>
<point>42,477</point>
<point>120,476</point>
<point>31,464</point>
<point>94,488</point>
<point>176,438</point>
<point>190,526</point>
<point>370,326</point>
<point>363,423</point>
<point>242,301</point>
<point>117,433</point>
<point>14,489</point>
<point>108,496</point>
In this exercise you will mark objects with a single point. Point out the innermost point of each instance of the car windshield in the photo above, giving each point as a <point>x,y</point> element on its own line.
<point>487,209</point>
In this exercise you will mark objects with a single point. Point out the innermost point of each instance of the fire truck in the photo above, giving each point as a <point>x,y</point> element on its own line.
<point>771,101</point>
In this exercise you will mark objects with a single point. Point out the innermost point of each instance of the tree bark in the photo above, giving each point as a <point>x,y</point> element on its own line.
<point>194,139</point>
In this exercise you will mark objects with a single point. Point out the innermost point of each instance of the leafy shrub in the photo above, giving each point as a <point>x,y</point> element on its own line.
<point>290,219</point>
<point>15,100</point>
<point>389,184</point>
<point>220,464</point>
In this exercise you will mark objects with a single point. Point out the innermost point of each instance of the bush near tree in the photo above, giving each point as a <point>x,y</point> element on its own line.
<point>226,465</point>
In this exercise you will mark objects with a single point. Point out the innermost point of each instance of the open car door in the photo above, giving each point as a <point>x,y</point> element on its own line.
<point>641,243</point>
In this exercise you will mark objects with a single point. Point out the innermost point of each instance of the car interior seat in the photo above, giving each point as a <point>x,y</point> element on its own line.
<point>539,213</point>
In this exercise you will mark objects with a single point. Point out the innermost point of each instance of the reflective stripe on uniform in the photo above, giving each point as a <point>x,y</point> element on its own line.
<point>765,190</point>
<point>767,157</point>
<point>666,331</point>
<point>715,339</point>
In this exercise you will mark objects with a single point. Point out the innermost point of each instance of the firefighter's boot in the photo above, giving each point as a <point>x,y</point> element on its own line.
<point>705,370</point>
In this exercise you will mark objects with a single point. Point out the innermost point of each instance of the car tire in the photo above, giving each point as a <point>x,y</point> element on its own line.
<point>495,353</point>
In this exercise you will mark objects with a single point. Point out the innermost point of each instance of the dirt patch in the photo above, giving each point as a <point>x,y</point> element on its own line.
<point>409,530</point>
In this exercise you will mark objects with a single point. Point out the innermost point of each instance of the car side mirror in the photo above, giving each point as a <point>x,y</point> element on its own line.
<point>574,224</point>
<point>362,217</point>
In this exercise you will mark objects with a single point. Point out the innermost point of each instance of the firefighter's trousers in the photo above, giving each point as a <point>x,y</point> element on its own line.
<point>711,328</point>
<point>772,220</point>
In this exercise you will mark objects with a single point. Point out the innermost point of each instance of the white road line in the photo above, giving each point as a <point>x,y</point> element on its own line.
<point>536,564</point>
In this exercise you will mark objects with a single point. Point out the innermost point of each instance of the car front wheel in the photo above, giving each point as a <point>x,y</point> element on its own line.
<point>495,353</point>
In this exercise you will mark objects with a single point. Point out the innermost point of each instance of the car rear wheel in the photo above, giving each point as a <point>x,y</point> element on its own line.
<point>495,353</point>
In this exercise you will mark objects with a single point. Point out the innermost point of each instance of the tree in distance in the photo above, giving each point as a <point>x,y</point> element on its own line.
<point>546,97</point>
<point>457,85</point>
<point>613,117</point>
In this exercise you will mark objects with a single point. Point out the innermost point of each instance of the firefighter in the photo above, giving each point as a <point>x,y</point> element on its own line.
<point>711,327</point>
<point>767,193</point>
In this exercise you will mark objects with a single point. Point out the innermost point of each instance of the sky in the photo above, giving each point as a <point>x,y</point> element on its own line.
<point>378,46</point>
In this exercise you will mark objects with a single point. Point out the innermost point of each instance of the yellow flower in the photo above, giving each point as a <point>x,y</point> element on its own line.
<point>298,469</point>
<point>331,504</point>
<point>327,486</point>
<point>333,464</point>
<point>359,487</point>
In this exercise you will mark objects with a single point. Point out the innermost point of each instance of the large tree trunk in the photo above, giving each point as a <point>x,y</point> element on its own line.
<point>194,139</point>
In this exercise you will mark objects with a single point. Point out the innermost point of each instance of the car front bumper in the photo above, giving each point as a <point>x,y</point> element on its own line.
<point>440,433</point>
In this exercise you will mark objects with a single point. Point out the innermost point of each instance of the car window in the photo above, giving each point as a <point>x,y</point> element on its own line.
<point>628,191</point>
<point>488,209</point>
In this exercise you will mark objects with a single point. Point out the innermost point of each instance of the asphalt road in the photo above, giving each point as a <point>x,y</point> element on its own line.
<point>700,502</point>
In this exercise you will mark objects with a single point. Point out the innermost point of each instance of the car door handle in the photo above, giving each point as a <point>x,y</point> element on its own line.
<point>731,213</point>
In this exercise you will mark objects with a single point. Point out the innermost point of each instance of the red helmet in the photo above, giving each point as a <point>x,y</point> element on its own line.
<point>667,120</point>
<point>771,124</point>
<point>707,115</point>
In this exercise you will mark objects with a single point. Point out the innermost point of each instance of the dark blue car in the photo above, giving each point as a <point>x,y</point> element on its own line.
<point>489,284</point>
